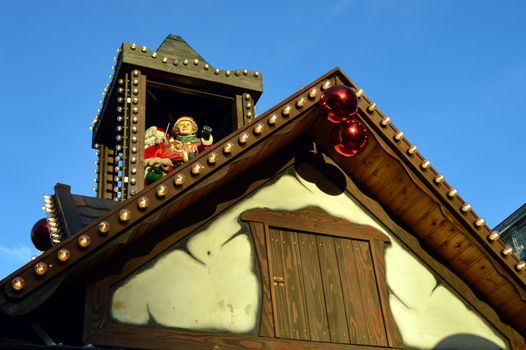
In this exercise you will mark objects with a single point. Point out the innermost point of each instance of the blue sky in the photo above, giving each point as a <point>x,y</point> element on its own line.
<point>450,74</point>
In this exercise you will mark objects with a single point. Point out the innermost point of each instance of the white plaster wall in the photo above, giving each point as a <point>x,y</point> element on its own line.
<point>222,292</point>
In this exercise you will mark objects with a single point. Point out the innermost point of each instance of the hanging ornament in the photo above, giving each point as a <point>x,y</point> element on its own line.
<point>349,137</point>
<point>340,101</point>
<point>40,235</point>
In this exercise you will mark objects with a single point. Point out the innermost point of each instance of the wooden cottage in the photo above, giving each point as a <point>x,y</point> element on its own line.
<point>282,234</point>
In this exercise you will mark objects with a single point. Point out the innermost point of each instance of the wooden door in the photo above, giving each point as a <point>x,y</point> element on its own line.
<point>327,284</point>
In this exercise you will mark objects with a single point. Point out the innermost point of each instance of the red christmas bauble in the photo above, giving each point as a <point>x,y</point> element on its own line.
<point>40,235</point>
<point>340,101</point>
<point>349,137</point>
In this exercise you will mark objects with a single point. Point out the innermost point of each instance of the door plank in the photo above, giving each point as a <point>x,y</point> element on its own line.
<point>295,301</point>
<point>281,320</point>
<point>313,287</point>
<point>339,331</point>
<point>369,293</point>
<point>351,292</point>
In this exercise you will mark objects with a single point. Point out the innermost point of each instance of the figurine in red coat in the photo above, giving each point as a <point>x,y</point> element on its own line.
<point>184,145</point>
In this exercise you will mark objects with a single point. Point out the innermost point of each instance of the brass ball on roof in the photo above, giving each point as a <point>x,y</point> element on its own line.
<point>161,191</point>
<point>196,169</point>
<point>286,111</point>
<point>243,139</point>
<point>227,148</point>
<point>179,180</point>
<point>41,268</point>
<point>63,255</point>
<point>258,129</point>
<point>143,202</point>
<point>104,227</point>
<point>18,283</point>
<point>211,159</point>
<point>84,241</point>
<point>300,102</point>
<point>124,215</point>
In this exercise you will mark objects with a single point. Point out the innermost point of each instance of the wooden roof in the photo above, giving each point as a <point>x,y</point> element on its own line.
<point>390,170</point>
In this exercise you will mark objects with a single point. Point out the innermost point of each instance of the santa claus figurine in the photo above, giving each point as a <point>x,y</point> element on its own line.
<point>184,145</point>
<point>156,164</point>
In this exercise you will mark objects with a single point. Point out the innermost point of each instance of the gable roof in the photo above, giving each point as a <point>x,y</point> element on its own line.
<point>390,170</point>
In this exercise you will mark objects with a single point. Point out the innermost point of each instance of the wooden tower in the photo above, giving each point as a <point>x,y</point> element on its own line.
<point>153,88</point>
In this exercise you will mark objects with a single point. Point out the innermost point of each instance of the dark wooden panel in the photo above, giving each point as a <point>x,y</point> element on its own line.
<point>358,333</point>
<point>454,246</point>
<point>481,267</point>
<point>295,301</point>
<point>422,213</point>
<point>313,287</point>
<point>97,305</point>
<point>266,323</point>
<point>168,339</point>
<point>490,283</point>
<point>429,220</point>
<point>467,257</point>
<point>370,163</point>
<point>339,331</point>
<point>369,293</point>
<point>279,297</point>
<point>314,220</point>
<point>439,235</point>
<point>390,188</point>
<point>381,175</point>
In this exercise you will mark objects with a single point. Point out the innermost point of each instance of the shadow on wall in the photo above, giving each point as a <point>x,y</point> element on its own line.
<point>466,342</point>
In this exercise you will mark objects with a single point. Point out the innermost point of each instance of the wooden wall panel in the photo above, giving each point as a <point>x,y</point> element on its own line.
<point>333,290</point>
<point>266,323</point>
<point>295,301</point>
<point>358,332</point>
<point>313,287</point>
<point>369,294</point>
<point>279,297</point>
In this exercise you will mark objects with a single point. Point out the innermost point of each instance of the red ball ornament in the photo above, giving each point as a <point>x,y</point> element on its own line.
<point>40,235</point>
<point>349,137</point>
<point>341,102</point>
